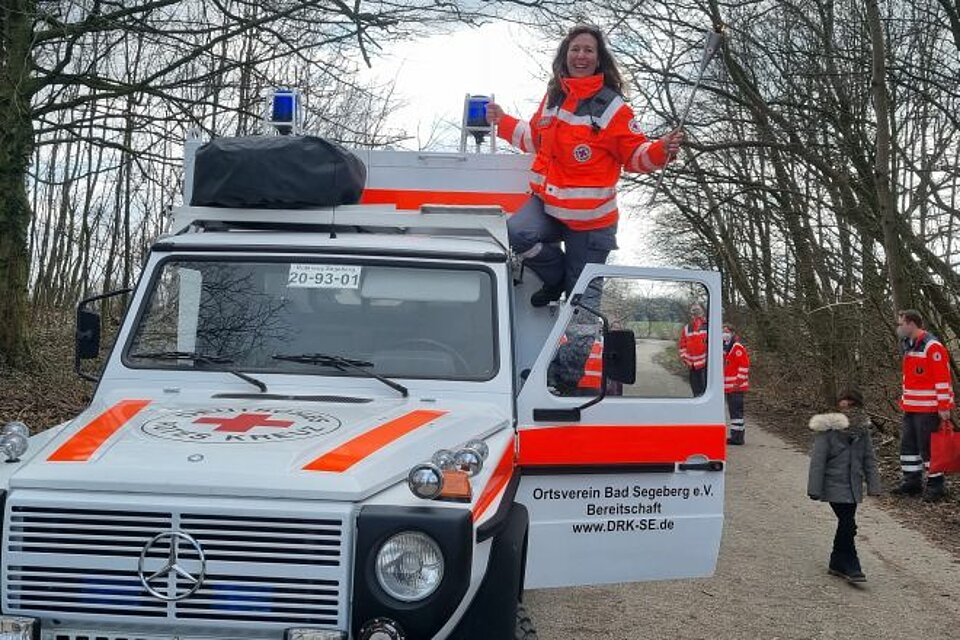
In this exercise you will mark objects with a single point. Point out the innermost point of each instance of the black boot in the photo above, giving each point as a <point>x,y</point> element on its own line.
<point>935,491</point>
<point>546,295</point>
<point>838,564</point>
<point>854,572</point>
<point>846,565</point>
<point>736,437</point>
<point>852,576</point>
<point>909,486</point>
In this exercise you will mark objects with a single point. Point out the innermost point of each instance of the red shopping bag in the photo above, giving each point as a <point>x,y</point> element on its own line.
<point>945,449</point>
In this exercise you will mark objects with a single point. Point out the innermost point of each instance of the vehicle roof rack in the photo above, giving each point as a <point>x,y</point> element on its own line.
<point>447,220</point>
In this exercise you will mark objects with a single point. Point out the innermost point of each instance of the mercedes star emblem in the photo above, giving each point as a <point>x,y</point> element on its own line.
<point>174,588</point>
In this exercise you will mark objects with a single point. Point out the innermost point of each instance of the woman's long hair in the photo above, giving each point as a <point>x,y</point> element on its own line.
<point>605,63</point>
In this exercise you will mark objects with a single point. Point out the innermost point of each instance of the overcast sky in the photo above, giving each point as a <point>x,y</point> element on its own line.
<point>433,74</point>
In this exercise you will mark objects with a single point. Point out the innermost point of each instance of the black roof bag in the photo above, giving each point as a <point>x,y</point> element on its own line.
<point>276,172</point>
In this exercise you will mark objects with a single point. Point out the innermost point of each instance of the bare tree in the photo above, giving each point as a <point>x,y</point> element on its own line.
<point>821,174</point>
<point>130,78</point>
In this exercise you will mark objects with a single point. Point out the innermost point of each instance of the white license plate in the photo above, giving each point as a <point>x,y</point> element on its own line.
<point>324,276</point>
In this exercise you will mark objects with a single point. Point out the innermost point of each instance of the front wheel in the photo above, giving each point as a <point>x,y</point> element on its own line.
<point>525,629</point>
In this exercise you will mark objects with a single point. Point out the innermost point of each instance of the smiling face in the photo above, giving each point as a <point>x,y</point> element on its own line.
<point>582,56</point>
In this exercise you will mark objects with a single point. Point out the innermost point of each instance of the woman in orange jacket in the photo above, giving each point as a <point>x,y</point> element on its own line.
<point>583,134</point>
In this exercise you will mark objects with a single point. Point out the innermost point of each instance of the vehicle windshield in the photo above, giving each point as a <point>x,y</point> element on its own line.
<point>405,321</point>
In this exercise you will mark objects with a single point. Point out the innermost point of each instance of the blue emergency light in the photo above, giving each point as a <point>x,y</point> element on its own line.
<point>284,112</point>
<point>475,122</point>
<point>243,598</point>
<point>109,591</point>
<point>477,111</point>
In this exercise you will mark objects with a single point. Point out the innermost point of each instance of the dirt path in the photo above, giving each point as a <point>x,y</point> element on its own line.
<point>653,380</point>
<point>771,582</point>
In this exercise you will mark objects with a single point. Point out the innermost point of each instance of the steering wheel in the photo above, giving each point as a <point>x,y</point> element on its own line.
<point>461,362</point>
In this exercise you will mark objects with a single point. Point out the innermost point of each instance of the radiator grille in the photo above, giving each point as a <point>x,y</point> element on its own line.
<point>79,591</point>
<point>277,540</point>
<point>83,531</point>
<point>232,598</point>
<point>261,566</point>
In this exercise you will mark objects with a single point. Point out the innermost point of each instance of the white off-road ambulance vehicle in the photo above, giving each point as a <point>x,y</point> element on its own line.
<point>347,422</point>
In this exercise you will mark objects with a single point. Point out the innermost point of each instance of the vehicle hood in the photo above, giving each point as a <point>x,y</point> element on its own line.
<point>342,449</point>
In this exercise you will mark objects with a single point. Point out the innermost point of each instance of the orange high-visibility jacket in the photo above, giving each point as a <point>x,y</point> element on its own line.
<point>693,344</point>
<point>736,368</point>
<point>593,368</point>
<point>927,387</point>
<point>581,146</point>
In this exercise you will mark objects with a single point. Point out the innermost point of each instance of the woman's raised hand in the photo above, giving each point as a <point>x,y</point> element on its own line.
<point>673,141</point>
<point>494,113</point>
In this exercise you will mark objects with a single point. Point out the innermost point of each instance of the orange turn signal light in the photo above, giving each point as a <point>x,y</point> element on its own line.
<point>456,486</point>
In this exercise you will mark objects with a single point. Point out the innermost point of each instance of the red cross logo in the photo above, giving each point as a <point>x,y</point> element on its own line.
<point>244,422</point>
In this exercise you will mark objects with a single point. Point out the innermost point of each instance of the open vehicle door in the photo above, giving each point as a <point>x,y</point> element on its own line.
<point>623,479</point>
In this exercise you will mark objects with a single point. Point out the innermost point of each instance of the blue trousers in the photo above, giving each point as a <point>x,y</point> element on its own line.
<point>536,236</point>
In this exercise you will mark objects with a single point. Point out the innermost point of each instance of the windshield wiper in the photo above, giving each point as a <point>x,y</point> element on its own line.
<point>342,364</point>
<point>199,357</point>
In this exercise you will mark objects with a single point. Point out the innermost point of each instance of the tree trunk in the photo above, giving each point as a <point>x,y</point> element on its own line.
<point>886,201</point>
<point>16,147</point>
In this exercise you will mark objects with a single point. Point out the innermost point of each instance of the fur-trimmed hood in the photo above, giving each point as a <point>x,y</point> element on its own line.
<point>842,457</point>
<point>829,422</point>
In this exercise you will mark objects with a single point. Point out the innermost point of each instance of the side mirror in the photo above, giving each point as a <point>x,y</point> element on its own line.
<point>88,334</point>
<point>620,356</point>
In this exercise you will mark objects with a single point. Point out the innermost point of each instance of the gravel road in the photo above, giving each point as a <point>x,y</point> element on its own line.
<point>772,582</point>
<point>653,380</point>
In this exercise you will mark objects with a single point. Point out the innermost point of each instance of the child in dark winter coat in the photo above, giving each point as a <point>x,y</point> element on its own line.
<point>843,459</point>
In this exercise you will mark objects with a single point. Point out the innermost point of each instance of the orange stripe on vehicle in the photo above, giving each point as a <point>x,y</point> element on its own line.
<point>501,476</point>
<point>404,199</point>
<point>621,444</point>
<point>84,443</point>
<point>353,451</point>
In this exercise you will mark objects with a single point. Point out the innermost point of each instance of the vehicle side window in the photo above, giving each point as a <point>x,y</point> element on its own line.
<point>671,343</point>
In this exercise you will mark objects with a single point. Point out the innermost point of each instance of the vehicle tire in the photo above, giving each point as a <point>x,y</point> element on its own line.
<point>525,629</point>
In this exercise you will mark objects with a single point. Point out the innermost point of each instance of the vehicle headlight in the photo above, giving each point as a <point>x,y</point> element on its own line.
<point>409,566</point>
<point>425,481</point>
<point>13,445</point>
<point>479,446</point>
<point>16,427</point>
<point>444,459</point>
<point>469,460</point>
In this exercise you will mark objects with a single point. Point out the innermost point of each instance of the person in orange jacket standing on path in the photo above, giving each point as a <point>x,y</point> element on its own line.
<point>693,349</point>
<point>583,134</point>
<point>736,381</point>
<point>927,400</point>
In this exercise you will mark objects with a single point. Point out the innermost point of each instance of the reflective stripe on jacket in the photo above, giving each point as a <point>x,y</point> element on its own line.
<point>927,385</point>
<point>581,145</point>
<point>736,367</point>
<point>693,344</point>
